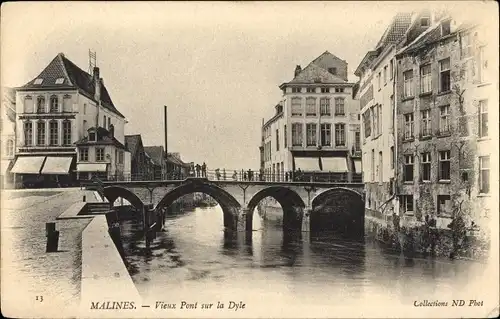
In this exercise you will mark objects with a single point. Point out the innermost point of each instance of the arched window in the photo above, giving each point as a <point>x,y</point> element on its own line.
<point>10,148</point>
<point>28,104</point>
<point>40,104</point>
<point>54,104</point>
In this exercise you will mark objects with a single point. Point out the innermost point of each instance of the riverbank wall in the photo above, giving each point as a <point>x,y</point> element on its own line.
<point>436,237</point>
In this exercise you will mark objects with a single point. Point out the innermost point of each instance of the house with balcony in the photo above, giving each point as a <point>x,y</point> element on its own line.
<point>315,130</point>
<point>53,111</point>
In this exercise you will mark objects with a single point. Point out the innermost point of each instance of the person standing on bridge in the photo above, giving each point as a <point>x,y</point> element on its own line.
<point>204,170</point>
<point>235,176</point>
<point>198,168</point>
<point>217,174</point>
<point>224,174</point>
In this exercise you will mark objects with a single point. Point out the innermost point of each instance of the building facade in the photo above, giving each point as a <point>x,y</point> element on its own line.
<point>446,83</point>
<point>142,166</point>
<point>316,127</point>
<point>55,110</point>
<point>8,136</point>
<point>159,158</point>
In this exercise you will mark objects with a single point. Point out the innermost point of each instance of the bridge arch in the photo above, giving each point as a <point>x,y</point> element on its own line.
<point>112,193</point>
<point>230,206</point>
<point>291,203</point>
<point>338,209</point>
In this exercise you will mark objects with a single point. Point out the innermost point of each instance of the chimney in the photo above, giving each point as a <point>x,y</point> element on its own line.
<point>97,94</point>
<point>111,131</point>
<point>298,69</point>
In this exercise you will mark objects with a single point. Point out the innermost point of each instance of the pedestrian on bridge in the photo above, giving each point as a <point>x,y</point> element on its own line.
<point>250,175</point>
<point>235,176</point>
<point>204,170</point>
<point>224,173</point>
<point>217,174</point>
<point>198,168</point>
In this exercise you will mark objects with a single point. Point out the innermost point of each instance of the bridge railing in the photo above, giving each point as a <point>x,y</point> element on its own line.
<point>241,175</point>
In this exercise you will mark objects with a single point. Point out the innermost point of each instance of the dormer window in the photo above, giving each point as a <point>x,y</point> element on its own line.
<point>424,21</point>
<point>92,136</point>
<point>332,71</point>
<point>38,81</point>
<point>60,81</point>
<point>446,27</point>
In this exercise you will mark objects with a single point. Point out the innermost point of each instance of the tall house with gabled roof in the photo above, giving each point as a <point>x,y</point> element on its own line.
<point>54,111</point>
<point>316,127</point>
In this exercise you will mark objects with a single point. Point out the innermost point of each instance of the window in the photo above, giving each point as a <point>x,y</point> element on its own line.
<point>295,90</point>
<point>84,108</point>
<point>54,104</point>
<point>367,123</point>
<point>380,167</point>
<point>339,106</point>
<point>391,69</point>
<point>385,74</point>
<point>38,81</point>
<point>325,90</point>
<point>296,106</point>
<point>277,140</point>
<point>408,83</point>
<point>28,104</point>
<point>340,134</point>
<point>324,106</point>
<point>339,90</point>
<point>104,121</point>
<point>109,122</point>
<point>444,75</point>
<point>481,65</point>
<point>9,148</point>
<point>285,137</point>
<point>357,141</point>
<point>99,154</point>
<point>84,154</point>
<point>326,134</point>
<point>465,46</point>
<point>28,133</point>
<point>66,132</point>
<point>40,104</point>
<point>379,80</point>
<point>311,90</point>
<point>408,126</point>
<point>59,80</point>
<point>444,119</point>
<point>483,118</point>
<point>426,166</point>
<point>425,79</point>
<point>297,134</point>
<point>120,157</point>
<point>392,157</point>
<point>67,103</point>
<point>332,71</point>
<point>445,27</point>
<point>408,168</point>
<point>375,120</point>
<point>444,205</point>
<point>407,204</point>
<point>54,133</point>
<point>92,136</point>
<point>484,174</point>
<point>444,165</point>
<point>311,134</point>
<point>40,133</point>
<point>426,123</point>
<point>372,165</point>
<point>310,106</point>
<point>379,118</point>
<point>424,21</point>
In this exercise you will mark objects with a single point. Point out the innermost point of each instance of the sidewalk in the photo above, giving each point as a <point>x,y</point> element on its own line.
<point>36,283</point>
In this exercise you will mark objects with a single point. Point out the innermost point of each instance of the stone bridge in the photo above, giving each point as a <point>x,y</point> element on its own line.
<point>299,200</point>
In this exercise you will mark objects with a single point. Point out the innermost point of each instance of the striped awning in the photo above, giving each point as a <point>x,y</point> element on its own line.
<point>334,164</point>
<point>57,165</point>
<point>91,167</point>
<point>28,165</point>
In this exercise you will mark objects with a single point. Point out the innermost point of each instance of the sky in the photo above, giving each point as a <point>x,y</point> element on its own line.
<point>216,65</point>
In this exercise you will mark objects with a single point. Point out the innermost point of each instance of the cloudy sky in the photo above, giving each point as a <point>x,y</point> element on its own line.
<point>216,65</point>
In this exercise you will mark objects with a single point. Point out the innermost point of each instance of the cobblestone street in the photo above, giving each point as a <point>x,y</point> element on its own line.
<point>34,280</point>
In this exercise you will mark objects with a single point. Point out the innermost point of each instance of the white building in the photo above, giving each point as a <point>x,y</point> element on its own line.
<point>316,128</point>
<point>55,110</point>
<point>8,136</point>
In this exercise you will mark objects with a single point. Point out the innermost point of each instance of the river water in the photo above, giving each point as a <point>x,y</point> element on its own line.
<point>194,260</point>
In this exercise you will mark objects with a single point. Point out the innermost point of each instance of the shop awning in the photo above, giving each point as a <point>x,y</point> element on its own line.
<point>307,164</point>
<point>28,165</point>
<point>334,164</point>
<point>357,166</point>
<point>57,165</point>
<point>91,167</point>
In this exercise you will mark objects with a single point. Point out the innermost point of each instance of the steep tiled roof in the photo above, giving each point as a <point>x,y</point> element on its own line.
<point>156,153</point>
<point>103,138</point>
<point>132,142</point>
<point>9,95</point>
<point>315,74</point>
<point>396,30</point>
<point>62,68</point>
